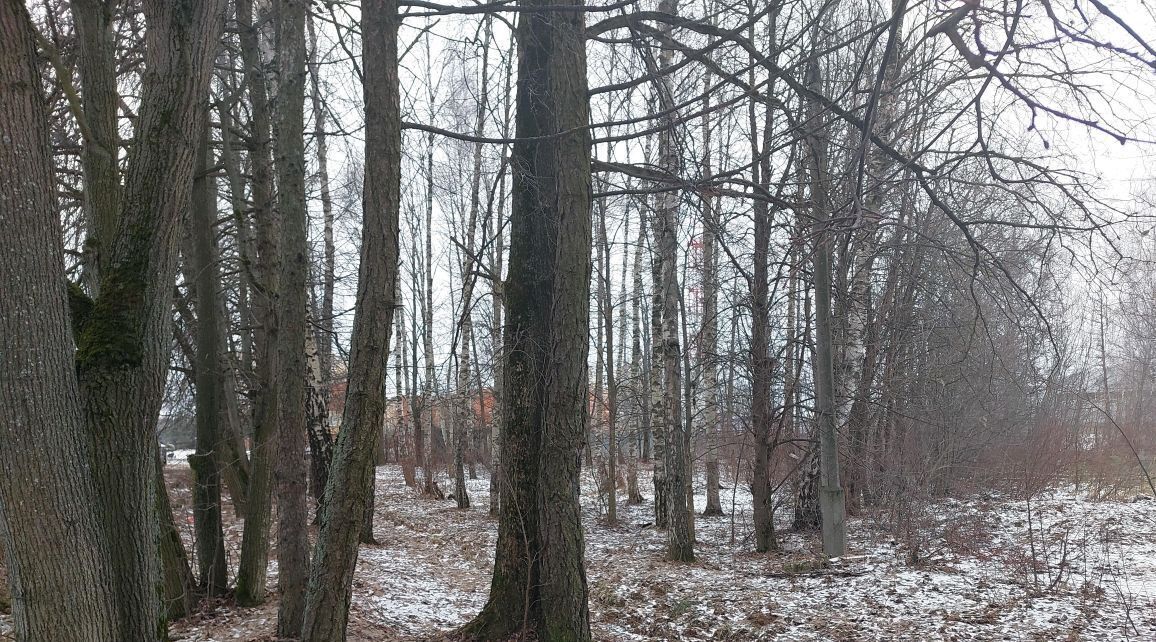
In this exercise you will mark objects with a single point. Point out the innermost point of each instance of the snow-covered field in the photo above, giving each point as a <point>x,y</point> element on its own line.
<point>1077,570</point>
<point>1092,577</point>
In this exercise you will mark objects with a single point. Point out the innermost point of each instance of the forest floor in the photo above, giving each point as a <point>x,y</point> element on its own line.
<point>1057,568</point>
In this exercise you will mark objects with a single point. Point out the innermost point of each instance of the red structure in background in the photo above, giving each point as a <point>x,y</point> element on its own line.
<point>438,412</point>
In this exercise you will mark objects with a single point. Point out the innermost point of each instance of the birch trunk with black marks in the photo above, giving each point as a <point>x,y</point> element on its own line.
<point>657,401</point>
<point>708,345</point>
<point>321,373</point>
<point>317,422</point>
<point>668,349</point>
<point>858,367</point>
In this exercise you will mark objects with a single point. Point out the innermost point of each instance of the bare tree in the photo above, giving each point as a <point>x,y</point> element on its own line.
<point>206,462</point>
<point>251,587</point>
<point>539,582</point>
<point>289,162</point>
<point>351,477</point>
<point>52,532</point>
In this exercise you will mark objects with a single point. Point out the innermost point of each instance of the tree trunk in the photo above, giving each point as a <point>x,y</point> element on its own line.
<point>539,582</point>
<point>292,302</point>
<point>761,373</point>
<point>365,534</point>
<point>497,258</point>
<point>657,402</point>
<point>858,368</point>
<point>596,403</point>
<point>179,596</point>
<point>762,366</point>
<point>496,344</point>
<point>317,420</point>
<point>321,372</point>
<point>415,399</point>
<point>638,362</point>
<point>233,459</point>
<point>205,463</point>
<point>667,347</point>
<point>96,45</point>
<point>708,346</point>
<point>123,346</point>
<point>251,581</point>
<point>831,500</point>
<point>52,534</point>
<point>403,393</point>
<point>325,322</point>
<point>639,410</point>
<point>607,309</point>
<point>429,403</point>
<point>331,577</point>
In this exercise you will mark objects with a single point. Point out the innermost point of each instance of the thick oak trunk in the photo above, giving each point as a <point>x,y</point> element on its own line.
<point>539,581</point>
<point>123,348</point>
<point>56,558</point>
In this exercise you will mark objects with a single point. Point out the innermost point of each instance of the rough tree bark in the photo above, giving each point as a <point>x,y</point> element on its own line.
<point>292,302</point>
<point>49,528</point>
<point>178,585</point>
<point>762,366</point>
<point>123,341</point>
<point>205,462</point>
<point>251,581</point>
<point>331,577</point>
<point>539,582</point>
<point>96,46</point>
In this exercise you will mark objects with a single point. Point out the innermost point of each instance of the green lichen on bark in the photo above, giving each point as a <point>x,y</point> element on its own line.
<point>79,307</point>
<point>111,336</point>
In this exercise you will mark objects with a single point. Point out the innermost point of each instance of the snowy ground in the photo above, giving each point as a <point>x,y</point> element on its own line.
<point>1092,575</point>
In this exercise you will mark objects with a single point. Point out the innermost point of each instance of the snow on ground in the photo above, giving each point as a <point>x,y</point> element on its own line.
<point>180,456</point>
<point>973,576</point>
